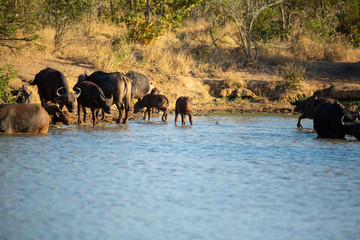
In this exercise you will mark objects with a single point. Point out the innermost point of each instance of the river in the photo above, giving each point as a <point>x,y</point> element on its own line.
<point>249,177</point>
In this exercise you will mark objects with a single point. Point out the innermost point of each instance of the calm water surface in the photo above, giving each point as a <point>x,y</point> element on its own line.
<point>251,177</point>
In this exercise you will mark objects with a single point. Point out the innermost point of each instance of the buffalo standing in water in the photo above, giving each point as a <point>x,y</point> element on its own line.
<point>92,97</point>
<point>331,120</point>
<point>23,118</point>
<point>153,101</point>
<point>53,87</point>
<point>140,84</point>
<point>116,85</point>
<point>183,107</point>
<point>307,107</point>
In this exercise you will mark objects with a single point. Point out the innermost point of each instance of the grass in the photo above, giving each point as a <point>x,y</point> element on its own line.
<point>177,60</point>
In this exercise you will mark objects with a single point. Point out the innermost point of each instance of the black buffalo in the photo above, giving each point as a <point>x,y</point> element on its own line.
<point>94,98</point>
<point>150,101</point>
<point>307,107</point>
<point>116,85</point>
<point>140,85</point>
<point>23,118</point>
<point>331,120</point>
<point>183,106</point>
<point>53,87</point>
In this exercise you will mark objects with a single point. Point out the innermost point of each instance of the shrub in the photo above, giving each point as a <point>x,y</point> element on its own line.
<point>292,75</point>
<point>6,75</point>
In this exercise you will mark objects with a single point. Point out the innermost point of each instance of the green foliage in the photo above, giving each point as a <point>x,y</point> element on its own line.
<point>268,25</point>
<point>15,18</point>
<point>61,13</point>
<point>6,75</point>
<point>292,75</point>
<point>146,28</point>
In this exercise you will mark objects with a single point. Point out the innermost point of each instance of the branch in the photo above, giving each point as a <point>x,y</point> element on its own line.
<point>257,13</point>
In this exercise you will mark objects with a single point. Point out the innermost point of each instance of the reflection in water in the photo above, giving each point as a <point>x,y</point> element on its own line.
<point>250,177</point>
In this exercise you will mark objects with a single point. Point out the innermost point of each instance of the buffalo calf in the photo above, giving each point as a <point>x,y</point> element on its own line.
<point>183,107</point>
<point>23,118</point>
<point>153,101</point>
<point>94,98</point>
<point>307,107</point>
<point>56,114</point>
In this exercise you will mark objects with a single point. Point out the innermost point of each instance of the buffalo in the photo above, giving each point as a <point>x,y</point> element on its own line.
<point>116,85</point>
<point>23,118</point>
<point>331,120</point>
<point>307,107</point>
<point>140,85</point>
<point>52,86</point>
<point>183,106</point>
<point>94,98</point>
<point>153,101</point>
<point>56,114</point>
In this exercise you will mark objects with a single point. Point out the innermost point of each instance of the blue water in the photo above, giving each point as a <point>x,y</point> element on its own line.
<point>250,177</point>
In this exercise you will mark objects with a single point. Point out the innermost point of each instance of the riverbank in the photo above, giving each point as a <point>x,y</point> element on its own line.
<point>260,86</point>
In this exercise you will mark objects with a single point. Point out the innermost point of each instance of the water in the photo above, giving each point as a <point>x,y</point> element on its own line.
<point>251,177</point>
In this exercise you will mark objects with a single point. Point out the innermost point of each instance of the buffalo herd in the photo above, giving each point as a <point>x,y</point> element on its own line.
<point>100,90</point>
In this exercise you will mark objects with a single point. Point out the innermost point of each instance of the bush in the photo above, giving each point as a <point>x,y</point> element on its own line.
<point>6,75</point>
<point>292,75</point>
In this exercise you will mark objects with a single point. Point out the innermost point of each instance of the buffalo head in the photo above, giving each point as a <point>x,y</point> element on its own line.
<point>352,127</point>
<point>67,99</point>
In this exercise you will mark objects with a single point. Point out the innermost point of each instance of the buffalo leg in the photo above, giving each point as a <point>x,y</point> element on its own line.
<point>176,116</point>
<point>299,120</point>
<point>183,116</point>
<point>93,112</point>
<point>84,110</point>
<point>119,107</point>
<point>190,119</point>
<point>79,113</point>
<point>148,110</point>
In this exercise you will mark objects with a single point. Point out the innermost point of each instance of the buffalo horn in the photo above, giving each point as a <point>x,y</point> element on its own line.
<point>78,91</point>
<point>348,124</point>
<point>57,92</point>
<point>102,98</point>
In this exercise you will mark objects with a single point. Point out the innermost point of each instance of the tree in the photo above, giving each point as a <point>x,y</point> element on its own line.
<point>62,13</point>
<point>16,16</point>
<point>243,13</point>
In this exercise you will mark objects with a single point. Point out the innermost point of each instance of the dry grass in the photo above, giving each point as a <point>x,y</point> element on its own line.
<point>177,62</point>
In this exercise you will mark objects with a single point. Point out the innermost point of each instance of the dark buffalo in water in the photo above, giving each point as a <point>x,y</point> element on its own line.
<point>116,85</point>
<point>307,107</point>
<point>183,106</point>
<point>140,85</point>
<point>53,86</point>
<point>331,120</point>
<point>23,118</point>
<point>94,98</point>
<point>153,101</point>
<point>56,114</point>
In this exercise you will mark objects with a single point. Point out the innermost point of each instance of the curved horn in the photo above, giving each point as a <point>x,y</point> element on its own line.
<point>57,92</point>
<point>85,74</point>
<point>78,91</point>
<point>111,97</point>
<point>348,124</point>
<point>102,98</point>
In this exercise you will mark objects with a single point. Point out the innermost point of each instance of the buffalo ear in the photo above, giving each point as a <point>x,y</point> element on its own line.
<point>294,103</point>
